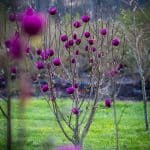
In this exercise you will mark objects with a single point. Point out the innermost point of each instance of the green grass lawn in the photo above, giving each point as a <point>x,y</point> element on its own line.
<point>42,129</point>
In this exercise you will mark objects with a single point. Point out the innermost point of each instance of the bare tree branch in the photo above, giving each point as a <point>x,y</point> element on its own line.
<point>3,112</point>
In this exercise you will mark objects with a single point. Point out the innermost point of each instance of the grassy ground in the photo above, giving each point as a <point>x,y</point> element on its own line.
<point>42,129</point>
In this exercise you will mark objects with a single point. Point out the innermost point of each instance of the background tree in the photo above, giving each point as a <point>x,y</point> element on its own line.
<point>136,26</point>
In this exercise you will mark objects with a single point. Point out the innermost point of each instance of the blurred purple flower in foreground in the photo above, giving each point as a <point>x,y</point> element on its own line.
<point>26,89</point>
<point>16,46</point>
<point>69,147</point>
<point>32,22</point>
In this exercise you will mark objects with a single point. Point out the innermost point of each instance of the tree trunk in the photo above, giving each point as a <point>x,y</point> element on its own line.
<point>9,135</point>
<point>144,99</point>
<point>116,125</point>
<point>76,132</point>
<point>115,114</point>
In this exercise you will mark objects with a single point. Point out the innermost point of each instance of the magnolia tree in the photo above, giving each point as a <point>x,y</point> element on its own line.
<point>67,45</point>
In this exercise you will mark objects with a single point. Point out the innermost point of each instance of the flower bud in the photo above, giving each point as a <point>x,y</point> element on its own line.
<point>108,102</point>
<point>70,90</point>
<point>115,41</point>
<point>85,18</point>
<point>53,10</point>
<point>57,61</point>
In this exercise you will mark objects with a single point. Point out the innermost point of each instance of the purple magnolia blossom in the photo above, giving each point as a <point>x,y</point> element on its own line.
<point>74,36</point>
<point>69,147</point>
<point>75,111</point>
<point>50,52</point>
<point>70,90</point>
<point>44,55</point>
<point>40,65</point>
<point>91,42</point>
<point>73,60</point>
<point>87,34</point>
<point>85,18</point>
<point>108,102</point>
<point>32,22</point>
<point>57,61</point>
<point>53,10</point>
<point>76,85</point>
<point>115,41</point>
<point>27,50</point>
<point>12,17</point>
<point>64,38</point>
<point>77,52</point>
<point>94,49</point>
<point>39,51</point>
<point>67,45</point>
<point>86,48</point>
<point>78,41</point>
<point>103,31</point>
<point>13,70</point>
<point>45,87</point>
<point>71,42</point>
<point>77,24</point>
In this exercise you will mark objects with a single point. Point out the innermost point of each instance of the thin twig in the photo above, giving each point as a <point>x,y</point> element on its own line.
<point>3,112</point>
